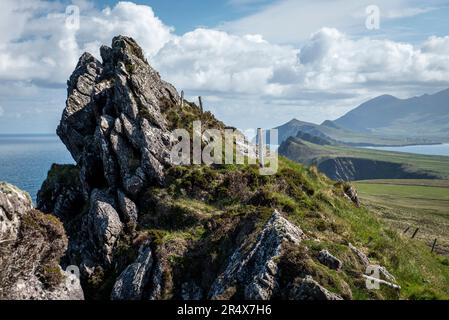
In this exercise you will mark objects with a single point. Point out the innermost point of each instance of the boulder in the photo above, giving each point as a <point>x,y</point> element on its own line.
<point>329,260</point>
<point>14,204</point>
<point>362,258</point>
<point>131,282</point>
<point>256,270</point>
<point>103,225</point>
<point>309,289</point>
<point>351,194</point>
<point>31,246</point>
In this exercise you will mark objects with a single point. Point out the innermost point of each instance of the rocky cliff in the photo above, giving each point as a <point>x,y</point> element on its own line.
<point>342,163</point>
<point>142,228</point>
<point>31,246</point>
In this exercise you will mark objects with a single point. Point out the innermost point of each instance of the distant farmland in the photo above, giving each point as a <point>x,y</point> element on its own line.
<point>412,204</point>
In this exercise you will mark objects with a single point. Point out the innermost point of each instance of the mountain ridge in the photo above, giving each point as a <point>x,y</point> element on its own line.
<point>424,115</point>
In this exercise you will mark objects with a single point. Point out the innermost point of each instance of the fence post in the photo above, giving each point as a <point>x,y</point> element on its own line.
<point>201,104</point>
<point>182,99</point>
<point>415,233</point>
<point>261,146</point>
<point>433,245</point>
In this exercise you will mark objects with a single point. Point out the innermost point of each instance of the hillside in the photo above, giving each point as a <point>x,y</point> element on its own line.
<point>424,116</point>
<point>141,227</point>
<point>331,131</point>
<point>346,163</point>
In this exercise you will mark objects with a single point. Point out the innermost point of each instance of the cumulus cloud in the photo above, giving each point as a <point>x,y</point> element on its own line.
<point>42,48</point>
<point>216,61</point>
<point>244,77</point>
<point>329,65</point>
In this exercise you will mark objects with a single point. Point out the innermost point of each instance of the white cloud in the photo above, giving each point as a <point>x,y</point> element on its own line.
<point>329,65</point>
<point>2,111</point>
<point>42,49</point>
<point>245,78</point>
<point>217,61</point>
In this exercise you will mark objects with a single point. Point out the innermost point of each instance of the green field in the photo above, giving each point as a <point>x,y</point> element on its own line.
<point>420,204</point>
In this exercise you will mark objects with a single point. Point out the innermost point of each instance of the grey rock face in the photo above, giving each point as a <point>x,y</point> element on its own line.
<point>115,130</point>
<point>329,260</point>
<point>309,289</point>
<point>33,289</point>
<point>113,120</point>
<point>363,259</point>
<point>103,224</point>
<point>14,204</point>
<point>128,208</point>
<point>130,284</point>
<point>30,242</point>
<point>62,193</point>
<point>114,127</point>
<point>257,269</point>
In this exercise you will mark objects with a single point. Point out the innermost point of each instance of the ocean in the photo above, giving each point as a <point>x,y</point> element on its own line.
<point>26,159</point>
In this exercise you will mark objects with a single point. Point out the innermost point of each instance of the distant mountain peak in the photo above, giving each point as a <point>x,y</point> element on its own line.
<point>389,115</point>
<point>295,121</point>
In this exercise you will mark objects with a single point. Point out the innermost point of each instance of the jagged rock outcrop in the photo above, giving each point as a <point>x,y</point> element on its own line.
<point>113,122</point>
<point>130,284</point>
<point>114,128</point>
<point>103,225</point>
<point>31,246</point>
<point>14,204</point>
<point>256,270</point>
<point>32,288</point>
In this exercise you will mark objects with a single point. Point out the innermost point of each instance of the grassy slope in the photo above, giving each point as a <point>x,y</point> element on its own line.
<point>198,197</point>
<point>309,200</point>
<point>412,203</point>
<point>437,164</point>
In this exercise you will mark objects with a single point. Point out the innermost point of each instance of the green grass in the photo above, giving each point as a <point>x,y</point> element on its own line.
<point>409,192</point>
<point>420,204</point>
<point>228,194</point>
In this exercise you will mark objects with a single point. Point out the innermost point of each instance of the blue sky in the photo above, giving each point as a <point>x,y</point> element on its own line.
<point>255,62</point>
<point>186,15</point>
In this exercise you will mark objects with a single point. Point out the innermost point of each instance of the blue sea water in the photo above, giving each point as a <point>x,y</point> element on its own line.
<point>26,159</point>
